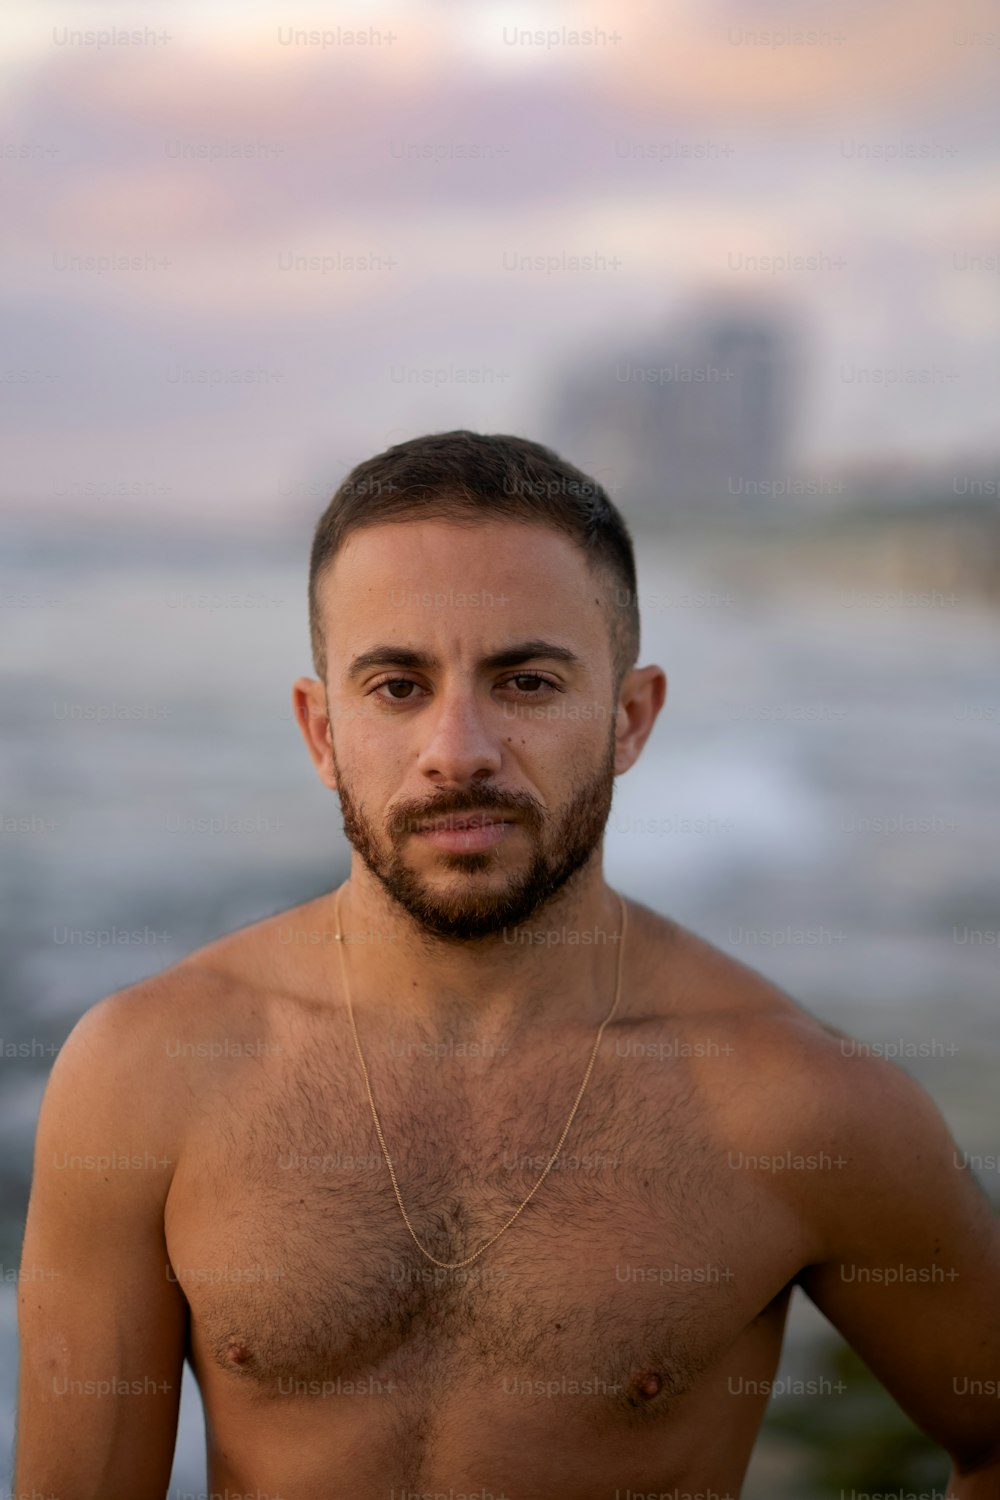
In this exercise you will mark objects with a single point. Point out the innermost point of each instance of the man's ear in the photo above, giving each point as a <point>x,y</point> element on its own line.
<point>309,707</point>
<point>642,694</point>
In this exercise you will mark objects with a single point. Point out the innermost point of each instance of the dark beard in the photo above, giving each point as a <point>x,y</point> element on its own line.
<point>558,854</point>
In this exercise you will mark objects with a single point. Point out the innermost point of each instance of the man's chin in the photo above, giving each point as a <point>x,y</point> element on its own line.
<point>473,907</point>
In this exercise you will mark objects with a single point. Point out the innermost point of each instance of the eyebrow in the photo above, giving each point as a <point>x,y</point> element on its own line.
<point>511,656</point>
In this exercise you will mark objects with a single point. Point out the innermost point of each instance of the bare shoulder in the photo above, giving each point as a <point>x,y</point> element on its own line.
<point>844,1135</point>
<point>783,1074</point>
<point>120,1060</point>
<point>689,981</point>
<point>112,1106</point>
<point>155,1046</point>
<point>280,955</point>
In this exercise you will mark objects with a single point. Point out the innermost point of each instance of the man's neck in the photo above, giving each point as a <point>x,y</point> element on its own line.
<point>556,969</point>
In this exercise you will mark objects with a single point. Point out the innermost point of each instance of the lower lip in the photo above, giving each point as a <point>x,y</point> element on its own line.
<point>467,840</point>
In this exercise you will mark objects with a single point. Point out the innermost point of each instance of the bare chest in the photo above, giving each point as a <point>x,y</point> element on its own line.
<point>625,1276</point>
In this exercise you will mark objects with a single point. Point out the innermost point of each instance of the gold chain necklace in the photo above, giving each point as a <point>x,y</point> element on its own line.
<point>457,1264</point>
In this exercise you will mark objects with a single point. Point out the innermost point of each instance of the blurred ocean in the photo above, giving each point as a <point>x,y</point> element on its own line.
<point>819,799</point>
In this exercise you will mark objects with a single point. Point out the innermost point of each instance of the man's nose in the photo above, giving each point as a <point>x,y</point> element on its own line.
<point>462,743</point>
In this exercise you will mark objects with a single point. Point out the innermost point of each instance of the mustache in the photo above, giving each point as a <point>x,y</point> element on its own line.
<point>410,818</point>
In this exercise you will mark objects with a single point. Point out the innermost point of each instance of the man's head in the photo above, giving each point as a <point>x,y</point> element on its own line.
<point>475,627</point>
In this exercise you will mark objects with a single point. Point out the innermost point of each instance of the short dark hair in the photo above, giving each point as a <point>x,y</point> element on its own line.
<point>461,475</point>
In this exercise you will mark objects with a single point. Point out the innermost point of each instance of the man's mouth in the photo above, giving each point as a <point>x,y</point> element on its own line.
<point>467,833</point>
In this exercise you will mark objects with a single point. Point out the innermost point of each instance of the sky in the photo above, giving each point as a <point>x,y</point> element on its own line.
<point>245,246</point>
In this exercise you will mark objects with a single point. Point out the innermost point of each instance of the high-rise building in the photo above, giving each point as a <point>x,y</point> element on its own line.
<point>697,421</point>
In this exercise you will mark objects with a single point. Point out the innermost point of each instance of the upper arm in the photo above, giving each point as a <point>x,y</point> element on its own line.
<point>103,1324</point>
<point>910,1266</point>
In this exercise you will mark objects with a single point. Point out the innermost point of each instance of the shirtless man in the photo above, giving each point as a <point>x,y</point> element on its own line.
<point>209,1181</point>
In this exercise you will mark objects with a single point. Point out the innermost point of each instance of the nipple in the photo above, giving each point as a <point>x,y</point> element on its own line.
<point>649,1385</point>
<point>237,1353</point>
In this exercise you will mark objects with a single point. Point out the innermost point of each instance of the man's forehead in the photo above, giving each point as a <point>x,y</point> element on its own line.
<point>438,589</point>
<point>532,574</point>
